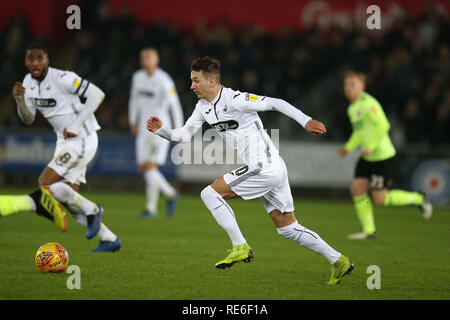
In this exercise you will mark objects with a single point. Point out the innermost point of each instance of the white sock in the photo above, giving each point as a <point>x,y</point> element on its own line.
<point>164,185</point>
<point>309,239</point>
<point>79,217</point>
<point>104,233</point>
<point>72,199</point>
<point>223,214</point>
<point>151,190</point>
<point>79,207</point>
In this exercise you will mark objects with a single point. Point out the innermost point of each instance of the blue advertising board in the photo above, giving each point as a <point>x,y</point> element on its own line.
<point>31,151</point>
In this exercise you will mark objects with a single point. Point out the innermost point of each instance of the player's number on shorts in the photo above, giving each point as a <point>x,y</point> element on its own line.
<point>377,182</point>
<point>63,159</point>
<point>240,171</point>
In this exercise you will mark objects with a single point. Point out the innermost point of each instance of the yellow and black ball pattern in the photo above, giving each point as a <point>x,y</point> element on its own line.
<point>52,257</point>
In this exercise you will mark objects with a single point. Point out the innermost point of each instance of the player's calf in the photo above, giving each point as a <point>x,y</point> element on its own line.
<point>379,196</point>
<point>309,239</point>
<point>223,214</point>
<point>72,199</point>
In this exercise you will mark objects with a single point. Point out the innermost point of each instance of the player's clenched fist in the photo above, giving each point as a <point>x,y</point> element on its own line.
<point>154,124</point>
<point>315,127</point>
<point>18,89</point>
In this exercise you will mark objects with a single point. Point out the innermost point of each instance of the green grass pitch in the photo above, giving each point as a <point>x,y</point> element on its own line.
<point>173,258</point>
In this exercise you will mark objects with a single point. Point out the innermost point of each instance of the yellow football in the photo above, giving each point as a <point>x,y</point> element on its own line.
<point>52,257</point>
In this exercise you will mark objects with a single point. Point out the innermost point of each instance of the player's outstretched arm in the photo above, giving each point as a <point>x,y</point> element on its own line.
<point>155,125</point>
<point>252,103</point>
<point>25,114</point>
<point>183,134</point>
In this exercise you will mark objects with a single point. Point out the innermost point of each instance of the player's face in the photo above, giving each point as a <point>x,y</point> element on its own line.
<point>149,60</point>
<point>37,61</point>
<point>200,85</point>
<point>353,87</point>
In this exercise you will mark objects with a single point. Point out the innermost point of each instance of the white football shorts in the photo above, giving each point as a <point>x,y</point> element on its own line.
<point>268,181</point>
<point>151,148</point>
<point>72,156</point>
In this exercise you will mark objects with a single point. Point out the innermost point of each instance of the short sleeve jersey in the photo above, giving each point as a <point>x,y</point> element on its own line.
<point>230,114</point>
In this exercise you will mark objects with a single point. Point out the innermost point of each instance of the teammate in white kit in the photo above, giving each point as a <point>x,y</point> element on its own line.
<point>234,115</point>
<point>56,94</point>
<point>153,93</point>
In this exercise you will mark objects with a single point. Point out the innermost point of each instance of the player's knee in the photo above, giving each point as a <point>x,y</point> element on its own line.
<point>378,198</point>
<point>42,181</point>
<point>147,167</point>
<point>287,232</point>
<point>359,186</point>
<point>206,193</point>
<point>48,177</point>
<point>356,190</point>
<point>61,191</point>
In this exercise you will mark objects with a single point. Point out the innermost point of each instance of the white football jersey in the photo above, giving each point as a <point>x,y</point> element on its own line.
<point>57,97</point>
<point>153,95</point>
<point>234,115</point>
<point>239,126</point>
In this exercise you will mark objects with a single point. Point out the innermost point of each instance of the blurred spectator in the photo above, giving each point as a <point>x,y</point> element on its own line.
<point>413,121</point>
<point>441,132</point>
<point>407,67</point>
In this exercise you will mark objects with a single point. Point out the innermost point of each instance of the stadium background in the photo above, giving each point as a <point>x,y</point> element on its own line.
<point>295,50</point>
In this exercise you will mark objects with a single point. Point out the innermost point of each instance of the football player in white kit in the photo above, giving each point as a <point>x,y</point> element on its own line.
<point>56,94</point>
<point>234,115</point>
<point>153,93</point>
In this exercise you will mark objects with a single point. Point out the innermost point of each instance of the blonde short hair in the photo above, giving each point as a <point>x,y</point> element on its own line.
<point>361,76</point>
